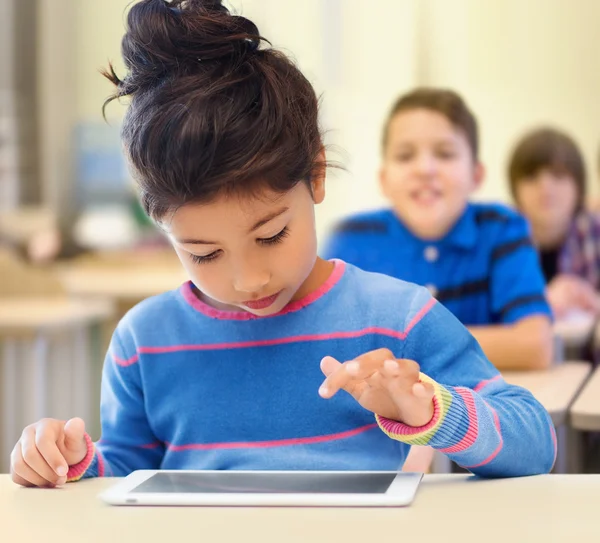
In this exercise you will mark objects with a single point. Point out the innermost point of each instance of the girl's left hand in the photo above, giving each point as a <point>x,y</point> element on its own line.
<point>382,384</point>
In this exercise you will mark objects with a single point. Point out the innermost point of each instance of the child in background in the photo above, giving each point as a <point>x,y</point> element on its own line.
<point>270,357</point>
<point>548,183</point>
<point>477,259</point>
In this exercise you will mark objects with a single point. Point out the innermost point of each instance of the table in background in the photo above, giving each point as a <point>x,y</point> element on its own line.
<point>556,389</point>
<point>575,334</point>
<point>126,285</point>
<point>50,348</point>
<point>585,411</point>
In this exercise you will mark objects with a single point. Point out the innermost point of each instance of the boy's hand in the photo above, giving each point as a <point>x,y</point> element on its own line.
<point>46,450</point>
<point>380,383</point>
<point>566,292</point>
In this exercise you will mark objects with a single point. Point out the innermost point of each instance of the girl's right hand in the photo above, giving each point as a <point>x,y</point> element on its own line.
<point>46,450</point>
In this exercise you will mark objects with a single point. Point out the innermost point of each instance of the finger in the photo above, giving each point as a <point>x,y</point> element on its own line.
<point>48,448</point>
<point>50,437</point>
<point>583,303</point>
<point>406,370</point>
<point>73,446</point>
<point>592,302</point>
<point>22,473</point>
<point>348,374</point>
<point>423,391</point>
<point>19,480</point>
<point>329,365</point>
<point>336,377</point>
<point>33,456</point>
<point>391,368</point>
<point>402,377</point>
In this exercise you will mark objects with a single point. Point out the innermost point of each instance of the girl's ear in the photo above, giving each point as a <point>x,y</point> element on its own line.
<point>318,181</point>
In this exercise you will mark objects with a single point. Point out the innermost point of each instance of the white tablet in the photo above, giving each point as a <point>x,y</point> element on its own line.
<point>265,488</point>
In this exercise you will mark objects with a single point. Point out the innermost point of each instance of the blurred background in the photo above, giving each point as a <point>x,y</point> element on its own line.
<point>517,64</point>
<point>69,223</point>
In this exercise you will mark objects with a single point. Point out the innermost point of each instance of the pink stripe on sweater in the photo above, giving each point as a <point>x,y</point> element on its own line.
<point>275,341</point>
<point>191,298</point>
<point>500,445</point>
<point>154,445</point>
<point>473,430</point>
<point>376,330</point>
<point>489,458</point>
<point>124,363</point>
<point>423,311</point>
<point>266,444</point>
<point>485,383</point>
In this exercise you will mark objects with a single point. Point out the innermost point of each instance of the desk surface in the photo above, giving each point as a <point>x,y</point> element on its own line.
<point>126,284</point>
<point>555,388</point>
<point>32,314</point>
<point>551,508</point>
<point>585,412</point>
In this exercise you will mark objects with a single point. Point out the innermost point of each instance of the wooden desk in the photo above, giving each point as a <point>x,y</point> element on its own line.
<point>585,411</point>
<point>47,356</point>
<point>128,284</point>
<point>26,317</point>
<point>555,388</point>
<point>549,509</point>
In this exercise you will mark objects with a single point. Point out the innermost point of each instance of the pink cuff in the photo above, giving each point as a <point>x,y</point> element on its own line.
<point>395,428</point>
<point>76,471</point>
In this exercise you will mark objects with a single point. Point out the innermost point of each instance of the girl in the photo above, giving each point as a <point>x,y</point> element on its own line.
<point>269,358</point>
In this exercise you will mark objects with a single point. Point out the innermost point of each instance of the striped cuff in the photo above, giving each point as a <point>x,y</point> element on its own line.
<point>442,400</point>
<point>77,471</point>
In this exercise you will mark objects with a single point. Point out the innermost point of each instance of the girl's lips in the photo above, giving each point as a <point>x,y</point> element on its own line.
<point>263,303</point>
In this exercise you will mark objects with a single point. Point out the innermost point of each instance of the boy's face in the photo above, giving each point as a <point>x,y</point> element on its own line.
<point>428,172</point>
<point>253,254</point>
<point>548,198</point>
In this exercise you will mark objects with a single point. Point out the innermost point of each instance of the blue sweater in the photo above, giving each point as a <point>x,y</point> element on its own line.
<point>186,386</point>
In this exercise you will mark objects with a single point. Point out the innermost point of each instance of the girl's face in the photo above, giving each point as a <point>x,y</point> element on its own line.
<point>548,198</point>
<point>256,255</point>
<point>428,172</point>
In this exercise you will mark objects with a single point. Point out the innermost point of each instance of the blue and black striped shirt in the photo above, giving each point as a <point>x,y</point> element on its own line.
<point>485,270</point>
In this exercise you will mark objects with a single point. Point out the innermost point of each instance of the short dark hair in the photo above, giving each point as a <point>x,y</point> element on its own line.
<point>446,102</point>
<point>212,110</point>
<point>547,148</point>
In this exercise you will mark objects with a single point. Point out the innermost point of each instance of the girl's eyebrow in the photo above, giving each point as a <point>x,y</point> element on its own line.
<point>269,218</point>
<point>257,225</point>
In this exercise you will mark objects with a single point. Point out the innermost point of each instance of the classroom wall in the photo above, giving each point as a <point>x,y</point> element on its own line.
<point>517,63</point>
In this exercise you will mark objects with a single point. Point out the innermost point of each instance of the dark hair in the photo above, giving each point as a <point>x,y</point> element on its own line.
<point>447,103</point>
<point>547,148</point>
<point>211,110</point>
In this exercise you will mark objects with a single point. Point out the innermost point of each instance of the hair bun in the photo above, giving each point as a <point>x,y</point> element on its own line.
<point>178,36</point>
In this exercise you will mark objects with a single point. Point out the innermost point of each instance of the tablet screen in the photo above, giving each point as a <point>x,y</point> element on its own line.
<point>277,483</point>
